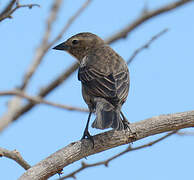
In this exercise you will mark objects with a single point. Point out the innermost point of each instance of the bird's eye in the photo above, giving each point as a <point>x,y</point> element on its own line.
<point>74,42</point>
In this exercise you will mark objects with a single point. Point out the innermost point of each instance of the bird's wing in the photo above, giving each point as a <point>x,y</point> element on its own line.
<point>122,84</point>
<point>99,84</point>
<point>113,87</point>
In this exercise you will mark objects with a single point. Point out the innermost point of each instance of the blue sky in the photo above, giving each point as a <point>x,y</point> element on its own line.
<point>161,83</point>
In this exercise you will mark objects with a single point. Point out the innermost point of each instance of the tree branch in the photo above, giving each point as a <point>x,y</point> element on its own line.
<point>146,45</point>
<point>43,47</point>
<point>145,17</point>
<point>106,162</point>
<point>38,100</point>
<point>104,141</point>
<point>17,109</point>
<point>14,155</point>
<point>70,21</point>
<point>10,9</point>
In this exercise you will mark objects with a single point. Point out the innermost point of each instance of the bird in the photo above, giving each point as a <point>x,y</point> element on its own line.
<point>105,80</point>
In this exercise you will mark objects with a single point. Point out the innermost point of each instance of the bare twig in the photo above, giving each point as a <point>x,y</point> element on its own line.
<point>17,110</point>
<point>16,156</point>
<point>15,104</point>
<point>38,100</point>
<point>145,17</point>
<point>59,80</point>
<point>70,21</point>
<point>10,9</point>
<point>43,47</point>
<point>146,45</point>
<point>45,91</point>
<point>106,162</point>
<point>80,149</point>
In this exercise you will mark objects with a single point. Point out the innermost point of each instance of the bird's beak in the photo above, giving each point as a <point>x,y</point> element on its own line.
<point>61,46</point>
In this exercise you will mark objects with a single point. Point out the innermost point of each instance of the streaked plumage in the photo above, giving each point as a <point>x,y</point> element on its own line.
<point>105,79</point>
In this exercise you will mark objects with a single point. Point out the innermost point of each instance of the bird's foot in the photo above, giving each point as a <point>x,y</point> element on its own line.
<point>126,124</point>
<point>87,135</point>
<point>127,127</point>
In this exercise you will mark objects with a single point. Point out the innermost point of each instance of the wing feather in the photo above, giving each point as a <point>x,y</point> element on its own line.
<point>113,86</point>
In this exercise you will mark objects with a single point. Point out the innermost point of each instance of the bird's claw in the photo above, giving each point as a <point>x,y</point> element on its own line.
<point>126,124</point>
<point>87,135</point>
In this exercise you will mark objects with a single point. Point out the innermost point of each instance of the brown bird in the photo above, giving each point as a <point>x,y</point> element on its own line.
<point>105,80</point>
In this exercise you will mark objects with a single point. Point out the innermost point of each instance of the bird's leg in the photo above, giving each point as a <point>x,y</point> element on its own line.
<point>86,132</point>
<point>127,126</point>
<point>125,121</point>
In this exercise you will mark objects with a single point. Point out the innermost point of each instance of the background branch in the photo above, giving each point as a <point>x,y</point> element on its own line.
<point>7,8</point>
<point>16,109</point>
<point>14,155</point>
<point>146,45</point>
<point>10,9</point>
<point>43,47</point>
<point>80,149</point>
<point>147,15</point>
<point>38,100</point>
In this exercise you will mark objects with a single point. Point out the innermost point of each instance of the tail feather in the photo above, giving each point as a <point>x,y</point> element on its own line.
<point>107,116</point>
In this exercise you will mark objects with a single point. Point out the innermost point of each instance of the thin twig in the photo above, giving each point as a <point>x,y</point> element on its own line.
<point>59,80</point>
<point>45,91</point>
<point>106,162</point>
<point>43,47</point>
<point>145,17</point>
<point>18,110</point>
<point>38,100</point>
<point>146,45</point>
<point>14,155</point>
<point>7,8</point>
<point>7,13</point>
<point>70,21</point>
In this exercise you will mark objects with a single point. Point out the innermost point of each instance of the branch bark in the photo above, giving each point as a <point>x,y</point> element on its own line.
<point>144,18</point>
<point>38,100</point>
<point>17,109</point>
<point>104,141</point>
<point>46,45</point>
<point>14,155</point>
<point>146,45</point>
<point>43,47</point>
<point>107,161</point>
<point>10,9</point>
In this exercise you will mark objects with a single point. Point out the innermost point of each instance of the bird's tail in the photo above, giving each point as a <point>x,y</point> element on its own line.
<point>107,116</point>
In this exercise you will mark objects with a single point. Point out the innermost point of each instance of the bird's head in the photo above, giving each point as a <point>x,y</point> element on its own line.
<point>80,44</point>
